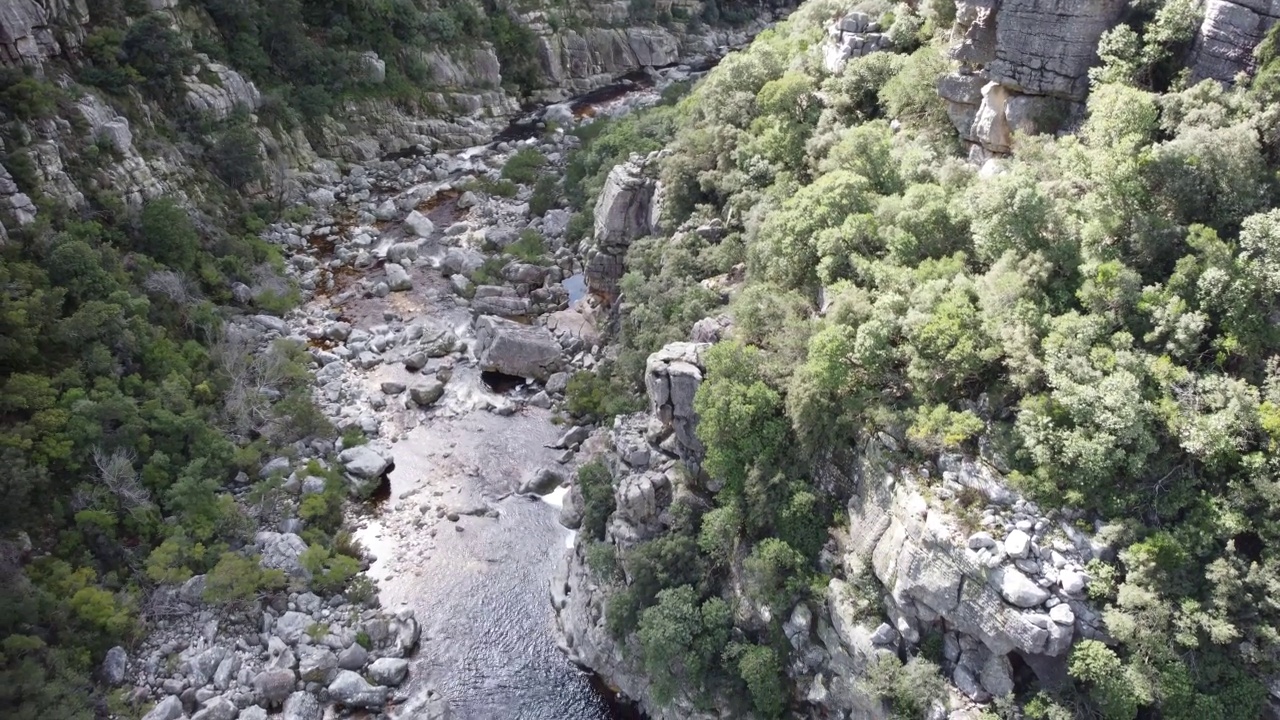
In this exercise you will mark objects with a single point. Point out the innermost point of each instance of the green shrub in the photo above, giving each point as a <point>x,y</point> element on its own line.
<point>530,248</point>
<point>596,485</point>
<point>523,167</point>
<point>546,195</point>
<point>762,672</point>
<point>237,579</point>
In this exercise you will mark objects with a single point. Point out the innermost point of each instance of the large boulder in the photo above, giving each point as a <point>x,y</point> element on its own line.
<point>388,671</point>
<point>353,691</point>
<point>316,664</point>
<point>419,225</point>
<point>365,466</point>
<point>282,551</point>
<point>398,278</point>
<point>1017,588</point>
<point>274,686</point>
<point>114,666</point>
<point>509,347</point>
<point>218,708</point>
<point>292,626</point>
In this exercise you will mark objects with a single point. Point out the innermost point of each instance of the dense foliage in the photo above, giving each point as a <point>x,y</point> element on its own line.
<point>1094,314</point>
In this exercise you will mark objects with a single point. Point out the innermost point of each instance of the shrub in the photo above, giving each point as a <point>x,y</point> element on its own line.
<point>238,579</point>
<point>530,247</point>
<point>596,485</point>
<point>523,166</point>
<point>910,689</point>
<point>546,195</point>
<point>234,156</point>
<point>1098,667</point>
<point>166,233</point>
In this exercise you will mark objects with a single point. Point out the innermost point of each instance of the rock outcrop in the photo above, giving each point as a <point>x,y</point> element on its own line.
<point>625,211</point>
<point>852,36</point>
<point>1228,34</point>
<point>1024,66</point>
<point>671,379</point>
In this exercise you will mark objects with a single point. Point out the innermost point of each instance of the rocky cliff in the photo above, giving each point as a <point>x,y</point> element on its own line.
<point>944,550</point>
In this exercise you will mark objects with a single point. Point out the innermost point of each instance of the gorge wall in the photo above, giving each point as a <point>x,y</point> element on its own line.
<point>465,97</point>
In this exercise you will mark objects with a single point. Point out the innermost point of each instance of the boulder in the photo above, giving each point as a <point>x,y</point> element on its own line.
<point>292,626</point>
<point>1017,588</point>
<point>514,349</point>
<point>169,708</point>
<point>218,708</point>
<point>253,712</point>
<point>419,225</point>
<point>388,671</point>
<point>301,706</point>
<point>391,387</point>
<point>428,393</point>
<point>316,664</point>
<point>365,462</point>
<point>1017,544</point>
<point>274,686</point>
<point>353,658</point>
<point>398,279</point>
<point>1073,581</point>
<point>353,691</point>
<point>541,481</point>
<point>114,666</point>
<point>282,551</point>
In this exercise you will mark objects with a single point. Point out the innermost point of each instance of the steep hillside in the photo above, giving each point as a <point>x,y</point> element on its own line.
<point>957,327</point>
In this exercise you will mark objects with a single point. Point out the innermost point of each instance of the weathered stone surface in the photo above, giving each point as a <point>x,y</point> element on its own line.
<point>222,96</point>
<point>671,379</point>
<point>508,347</point>
<point>351,690</point>
<point>398,278</point>
<point>541,481</point>
<point>1017,588</point>
<point>281,551</point>
<point>419,225</point>
<point>301,706</point>
<point>169,708</point>
<point>353,658</point>
<point>388,671</point>
<point>218,708</point>
<point>316,664</point>
<point>365,462</point>
<point>1046,47</point>
<point>1228,34</point>
<point>114,666</point>
<point>427,394</point>
<point>274,686</point>
<point>623,213</point>
<point>854,35</point>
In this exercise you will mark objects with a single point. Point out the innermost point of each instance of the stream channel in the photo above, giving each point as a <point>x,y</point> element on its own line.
<point>452,539</point>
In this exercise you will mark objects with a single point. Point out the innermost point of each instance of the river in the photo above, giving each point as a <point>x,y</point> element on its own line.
<point>451,539</point>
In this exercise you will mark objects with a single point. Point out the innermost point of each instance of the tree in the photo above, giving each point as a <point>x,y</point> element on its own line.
<point>1100,669</point>
<point>775,574</point>
<point>157,52</point>
<point>681,640</point>
<point>761,671</point>
<point>165,232</point>
<point>740,420</point>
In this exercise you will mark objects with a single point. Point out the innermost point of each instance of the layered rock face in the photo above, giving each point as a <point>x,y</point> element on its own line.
<point>948,549</point>
<point>1024,65</point>
<point>853,36</point>
<point>33,30</point>
<point>1227,36</point>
